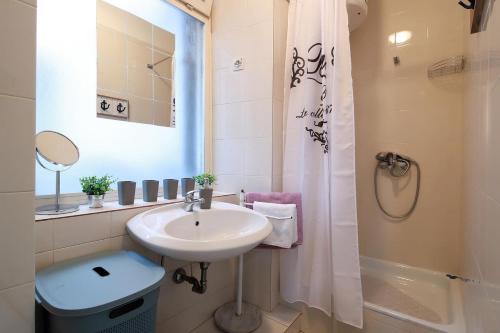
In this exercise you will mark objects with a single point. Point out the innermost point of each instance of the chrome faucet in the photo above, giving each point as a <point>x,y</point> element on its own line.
<point>190,201</point>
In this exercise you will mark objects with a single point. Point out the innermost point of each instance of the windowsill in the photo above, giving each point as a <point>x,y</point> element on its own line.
<point>111,206</point>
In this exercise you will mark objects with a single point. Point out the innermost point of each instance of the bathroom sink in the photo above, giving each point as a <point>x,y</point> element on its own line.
<point>222,232</point>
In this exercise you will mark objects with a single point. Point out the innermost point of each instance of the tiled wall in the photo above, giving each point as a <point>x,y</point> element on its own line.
<point>248,117</point>
<point>398,108</point>
<point>179,309</point>
<point>280,27</point>
<point>125,44</point>
<point>17,128</point>
<point>482,180</point>
<point>247,104</point>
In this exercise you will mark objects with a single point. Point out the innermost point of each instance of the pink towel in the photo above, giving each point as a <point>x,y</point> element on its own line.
<point>281,198</point>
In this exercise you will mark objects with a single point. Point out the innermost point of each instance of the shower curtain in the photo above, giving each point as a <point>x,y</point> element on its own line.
<point>319,161</point>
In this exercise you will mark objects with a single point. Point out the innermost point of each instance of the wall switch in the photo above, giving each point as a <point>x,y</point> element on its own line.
<point>238,64</point>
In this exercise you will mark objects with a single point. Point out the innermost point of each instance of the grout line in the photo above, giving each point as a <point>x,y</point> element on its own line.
<point>295,321</point>
<point>202,324</point>
<point>20,192</point>
<point>16,96</point>
<point>287,325</point>
<point>80,244</point>
<point>18,285</point>
<point>276,320</point>
<point>26,4</point>
<point>245,101</point>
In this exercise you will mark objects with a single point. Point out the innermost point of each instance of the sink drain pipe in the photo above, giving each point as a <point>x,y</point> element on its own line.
<point>199,286</point>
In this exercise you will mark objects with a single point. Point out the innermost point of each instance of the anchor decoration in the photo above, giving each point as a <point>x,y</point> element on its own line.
<point>120,108</point>
<point>112,107</point>
<point>105,105</point>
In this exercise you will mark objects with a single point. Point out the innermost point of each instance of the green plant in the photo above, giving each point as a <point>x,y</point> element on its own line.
<point>200,179</point>
<point>96,185</point>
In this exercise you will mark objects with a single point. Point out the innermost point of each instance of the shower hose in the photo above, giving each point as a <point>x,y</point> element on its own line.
<point>397,175</point>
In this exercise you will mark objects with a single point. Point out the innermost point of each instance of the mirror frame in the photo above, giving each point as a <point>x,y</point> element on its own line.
<point>48,159</point>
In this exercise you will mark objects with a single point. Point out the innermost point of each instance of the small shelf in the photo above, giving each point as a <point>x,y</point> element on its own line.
<point>111,206</point>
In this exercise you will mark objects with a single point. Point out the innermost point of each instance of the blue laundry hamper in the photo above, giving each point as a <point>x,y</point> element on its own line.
<point>111,292</point>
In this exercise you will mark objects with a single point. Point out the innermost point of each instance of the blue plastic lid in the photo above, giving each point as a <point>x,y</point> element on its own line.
<point>96,283</point>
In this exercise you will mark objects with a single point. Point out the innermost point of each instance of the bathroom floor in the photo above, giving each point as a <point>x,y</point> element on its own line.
<point>281,320</point>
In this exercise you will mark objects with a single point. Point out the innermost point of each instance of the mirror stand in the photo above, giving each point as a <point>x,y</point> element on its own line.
<point>57,208</point>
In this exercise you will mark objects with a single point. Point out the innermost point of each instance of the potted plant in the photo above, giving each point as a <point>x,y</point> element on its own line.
<point>96,188</point>
<point>205,181</point>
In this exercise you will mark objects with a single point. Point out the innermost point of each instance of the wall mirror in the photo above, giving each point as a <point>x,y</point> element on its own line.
<point>135,68</point>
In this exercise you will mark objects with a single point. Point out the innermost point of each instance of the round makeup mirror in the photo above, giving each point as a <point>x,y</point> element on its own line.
<point>56,152</point>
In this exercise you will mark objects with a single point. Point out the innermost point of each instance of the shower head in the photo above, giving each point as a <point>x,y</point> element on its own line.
<point>152,66</point>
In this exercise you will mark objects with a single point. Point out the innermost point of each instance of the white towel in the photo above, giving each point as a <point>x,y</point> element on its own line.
<point>283,217</point>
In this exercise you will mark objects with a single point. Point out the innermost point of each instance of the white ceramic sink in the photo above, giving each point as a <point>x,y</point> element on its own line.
<point>222,232</point>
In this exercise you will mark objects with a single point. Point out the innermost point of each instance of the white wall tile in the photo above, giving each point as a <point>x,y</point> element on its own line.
<point>257,119</point>
<point>44,236</point>
<point>258,157</point>
<point>18,40</point>
<point>257,183</point>
<point>229,121</point>
<point>43,260</point>
<point>257,11</point>
<point>81,250</point>
<point>183,295</point>
<point>17,128</point>
<point>17,132</point>
<point>256,278</point>
<point>189,319</point>
<point>229,156</point>
<point>16,237</point>
<point>126,243</point>
<point>17,309</point>
<point>220,276</point>
<point>81,229</point>
<point>120,218</point>
<point>108,16</point>
<point>228,14</point>
<point>243,99</point>
<point>221,273</point>
<point>232,199</point>
<point>138,28</point>
<point>230,183</point>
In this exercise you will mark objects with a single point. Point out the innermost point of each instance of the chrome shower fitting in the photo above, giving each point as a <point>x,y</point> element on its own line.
<point>397,165</point>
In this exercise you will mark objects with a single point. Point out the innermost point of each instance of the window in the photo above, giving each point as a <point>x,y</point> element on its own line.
<point>66,97</point>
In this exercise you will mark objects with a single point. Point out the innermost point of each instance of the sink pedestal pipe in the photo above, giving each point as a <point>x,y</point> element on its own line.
<point>238,317</point>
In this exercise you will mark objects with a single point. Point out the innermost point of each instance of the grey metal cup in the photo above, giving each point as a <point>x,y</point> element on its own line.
<point>187,185</point>
<point>126,192</point>
<point>150,190</point>
<point>170,188</point>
